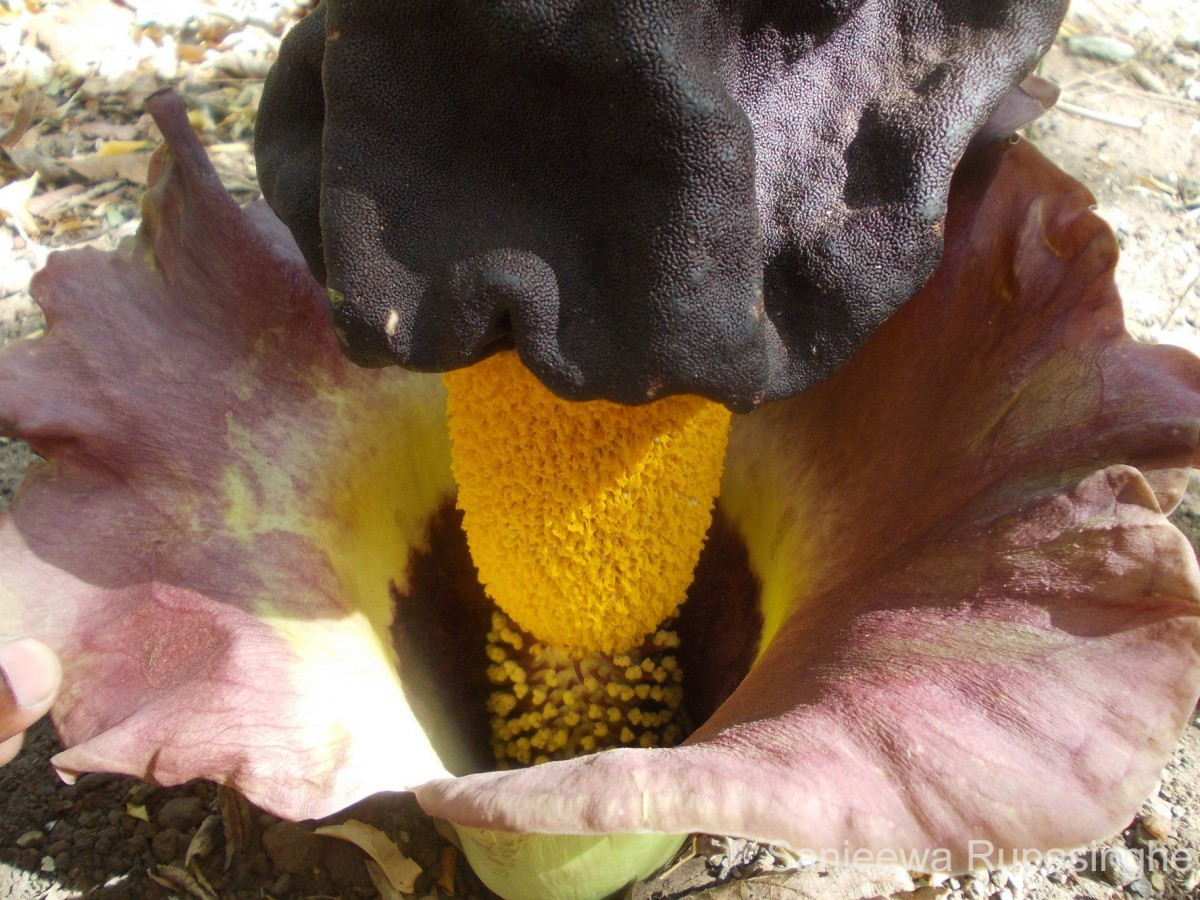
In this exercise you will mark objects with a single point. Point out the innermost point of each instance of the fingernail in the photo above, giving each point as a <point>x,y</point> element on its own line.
<point>31,670</point>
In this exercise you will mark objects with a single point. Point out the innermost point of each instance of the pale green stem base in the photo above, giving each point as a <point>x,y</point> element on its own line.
<point>564,866</point>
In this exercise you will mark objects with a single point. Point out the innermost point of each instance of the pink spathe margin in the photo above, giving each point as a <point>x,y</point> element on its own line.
<point>990,628</point>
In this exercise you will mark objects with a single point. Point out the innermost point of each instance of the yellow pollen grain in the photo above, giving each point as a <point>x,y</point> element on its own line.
<point>581,714</point>
<point>585,519</point>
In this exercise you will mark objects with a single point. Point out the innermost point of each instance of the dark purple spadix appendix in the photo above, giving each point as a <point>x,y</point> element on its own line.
<point>644,198</point>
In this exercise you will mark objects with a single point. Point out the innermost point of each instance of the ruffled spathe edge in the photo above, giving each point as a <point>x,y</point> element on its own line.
<point>193,547</point>
<point>961,537</point>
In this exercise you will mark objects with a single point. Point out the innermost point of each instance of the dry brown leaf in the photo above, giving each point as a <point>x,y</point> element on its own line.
<point>235,815</point>
<point>242,64</point>
<point>119,148</point>
<point>449,868</point>
<point>202,120</point>
<point>203,840</point>
<point>109,131</point>
<point>382,885</point>
<point>74,223</point>
<point>137,811</point>
<point>23,118</point>
<point>190,53</point>
<point>96,167</point>
<point>174,878</point>
<point>401,871</point>
<point>447,833</point>
<point>30,157</point>
<point>43,203</point>
<point>14,204</point>
<point>196,872</point>
<point>841,883</point>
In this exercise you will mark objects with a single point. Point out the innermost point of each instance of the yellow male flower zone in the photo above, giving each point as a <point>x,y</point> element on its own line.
<point>246,552</point>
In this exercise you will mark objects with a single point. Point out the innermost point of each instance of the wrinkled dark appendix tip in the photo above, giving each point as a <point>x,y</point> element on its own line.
<point>719,198</point>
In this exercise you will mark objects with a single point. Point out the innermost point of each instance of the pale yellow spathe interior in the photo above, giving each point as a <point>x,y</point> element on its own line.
<point>356,487</point>
<point>778,509</point>
<point>585,520</point>
<point>377,475</point>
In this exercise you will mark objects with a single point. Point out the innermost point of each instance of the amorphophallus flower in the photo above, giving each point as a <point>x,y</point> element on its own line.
<point>929,587</point>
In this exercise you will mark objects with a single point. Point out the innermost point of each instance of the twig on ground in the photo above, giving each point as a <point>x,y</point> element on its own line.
<point>1181,102</point>
<point>1106,118</point>
<point>1093,77</point>
<point>1189,281</point>
<point>75,200</point>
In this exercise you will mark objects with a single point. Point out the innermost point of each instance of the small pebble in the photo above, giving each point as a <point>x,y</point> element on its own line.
<point>1155,804</point>
<point>181,813</point>
<point>1187,62</point>
<point>137,841</point>
<point>165,845</point>
<point>1188,41</point>
<point>1119,866</point>
<point>1140,887</point>
<point>292,848</point>
<point>1101,46</point>
<point>1158,882</point>
<point>29,837</point>
<point>15,276</point>
<point>47,864</point>
<point>1155,826</point>
<point>345,864</point>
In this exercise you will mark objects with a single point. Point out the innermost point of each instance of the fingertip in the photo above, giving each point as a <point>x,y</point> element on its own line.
<point>31,671</point>
<point>11,747</point>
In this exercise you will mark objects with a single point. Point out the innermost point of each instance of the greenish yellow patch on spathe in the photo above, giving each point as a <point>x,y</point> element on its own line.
<point>241,510</point>
<point>392,477</point>
<point>585,520</point>
<point>353,471</point>
<point>780,515</point>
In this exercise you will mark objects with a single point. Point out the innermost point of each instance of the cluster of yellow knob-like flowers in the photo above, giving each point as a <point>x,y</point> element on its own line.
<point>552,703</point>
<point>585,520</point>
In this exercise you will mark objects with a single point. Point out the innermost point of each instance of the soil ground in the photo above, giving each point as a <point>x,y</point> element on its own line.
<point>73,148</point>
